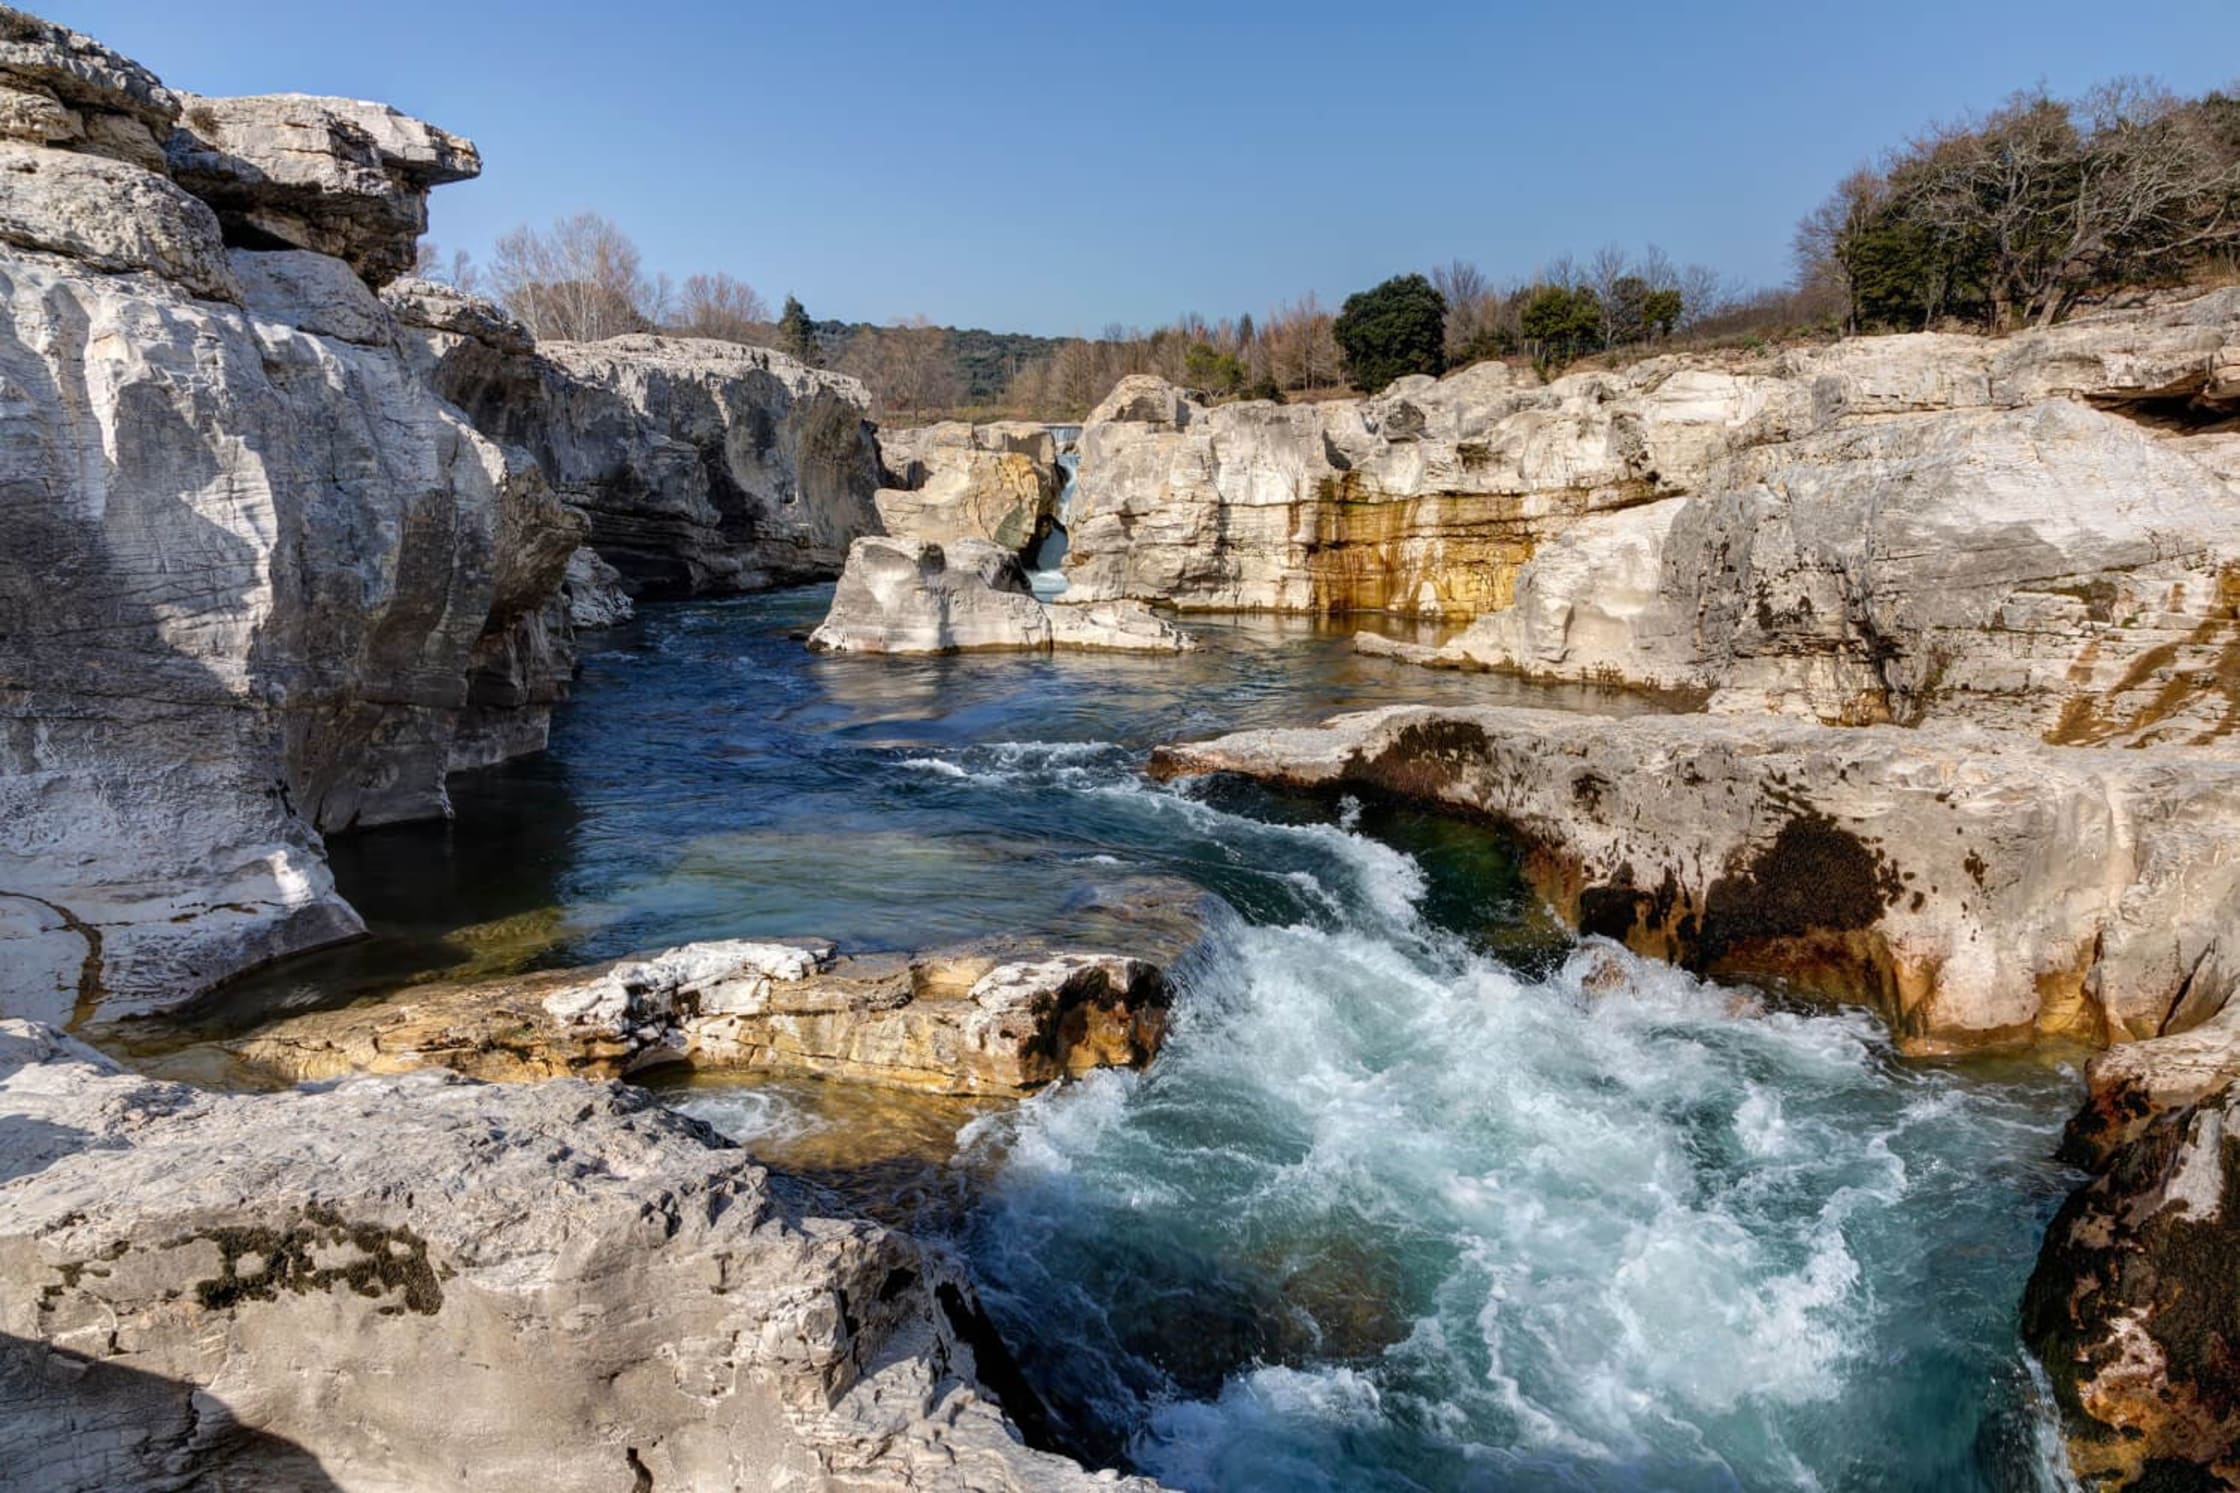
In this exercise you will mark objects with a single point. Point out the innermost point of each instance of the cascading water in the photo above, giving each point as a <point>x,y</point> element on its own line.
<point>1419,1196</point>
<point>1043,573</point>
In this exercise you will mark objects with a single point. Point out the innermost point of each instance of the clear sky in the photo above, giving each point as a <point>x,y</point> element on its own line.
<point>1052,168</point>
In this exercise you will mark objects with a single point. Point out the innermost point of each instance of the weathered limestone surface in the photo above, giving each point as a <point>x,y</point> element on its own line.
<point>428,1283</point>
<point>991,1020</point>
<point>62,89</point>
<point>258,576</point>
<point>704,466</point>
<point>917,596</point>
<point>343,177</point>
<point>2131,1307</point>
<point>260,580</point>
<point>1972,888</point>
<point>2038,533</point>
<point>997,481</point>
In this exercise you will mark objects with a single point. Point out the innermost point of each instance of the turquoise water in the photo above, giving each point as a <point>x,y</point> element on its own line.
<point>1419,1195</point>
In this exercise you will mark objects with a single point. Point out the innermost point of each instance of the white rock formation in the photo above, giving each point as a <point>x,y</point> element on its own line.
<point>997,481</point>
<point>343,177</point>
<point>704,466</point>
<point>427,1283</point>
<point>1973,887</point>
<point>916,596</point>
<point>2035,533</point>
<point>260,580</point>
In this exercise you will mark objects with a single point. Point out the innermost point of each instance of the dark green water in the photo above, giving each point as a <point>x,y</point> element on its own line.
<point>1403,1205</point>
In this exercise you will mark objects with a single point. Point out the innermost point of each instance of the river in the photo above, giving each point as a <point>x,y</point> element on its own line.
<point>1418,1196</point>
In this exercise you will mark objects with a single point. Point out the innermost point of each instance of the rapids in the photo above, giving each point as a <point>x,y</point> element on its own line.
<point>1417,1197</point>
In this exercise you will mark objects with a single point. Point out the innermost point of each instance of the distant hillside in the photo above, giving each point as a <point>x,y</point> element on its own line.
<point>985,361</point>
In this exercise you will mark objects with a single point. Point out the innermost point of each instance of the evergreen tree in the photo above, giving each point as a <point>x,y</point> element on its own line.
<point>1391,331</point>
<point>796,333</point>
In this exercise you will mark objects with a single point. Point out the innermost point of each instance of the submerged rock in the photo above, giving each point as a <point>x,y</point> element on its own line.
<point>916,596</point>
<point>1001,1020</point>
<point>1972,888</point>
<point>274,1290</point>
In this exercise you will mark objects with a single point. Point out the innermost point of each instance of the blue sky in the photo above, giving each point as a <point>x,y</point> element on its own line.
<point>1053,168</point>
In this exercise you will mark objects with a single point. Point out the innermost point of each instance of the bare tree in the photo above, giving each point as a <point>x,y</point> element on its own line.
<point>907,367</point>
<point>459,271</point>
<point>579,281</point>
<point>1303,348</point>
<point>1473,310</point>
<point>725,309</point>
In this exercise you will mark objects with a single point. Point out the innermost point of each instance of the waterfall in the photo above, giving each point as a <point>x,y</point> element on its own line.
<point>1043,572</point>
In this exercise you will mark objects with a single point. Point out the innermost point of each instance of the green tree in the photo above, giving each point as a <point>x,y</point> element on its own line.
<point>1391,331</point>
<point>1661,311</point>
<point>1207,367</point>
<point>1562,321</point>
<point>796,333</point>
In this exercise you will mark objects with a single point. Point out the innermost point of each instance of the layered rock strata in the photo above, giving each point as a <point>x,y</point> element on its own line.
<point>973,1021</point>
<point>2038,533</point>
<point>704,467</point>
<point>1973,889</point>
<point>916,596</point>
<point>274,1290</point>
<point>997,481</point>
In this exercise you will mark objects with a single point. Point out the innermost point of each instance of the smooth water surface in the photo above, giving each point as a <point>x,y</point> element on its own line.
<point>1417,1197</point>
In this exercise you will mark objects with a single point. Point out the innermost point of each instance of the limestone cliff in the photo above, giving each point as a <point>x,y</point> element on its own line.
<point>282,552</point>
<point>2038,533</point>
<point>261,581</point>
<point>702,466</point>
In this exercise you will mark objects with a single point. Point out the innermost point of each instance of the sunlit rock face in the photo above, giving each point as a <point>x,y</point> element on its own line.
<point>343,177</point>
<point>261,581</point>
<point>2037,533</point>
<point>1975,890</point>
<point>997,481</point>
<point>988,1021</point>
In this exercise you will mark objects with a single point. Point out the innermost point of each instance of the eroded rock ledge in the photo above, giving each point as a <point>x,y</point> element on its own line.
<point>1973,889</point>
<point>430,1283</point>
<point>983,1021</point>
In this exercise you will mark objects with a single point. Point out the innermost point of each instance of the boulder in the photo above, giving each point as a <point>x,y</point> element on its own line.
<point>998,482</point>
<point>273,1290</point>
<point>1973,888</point>
<point>594,591</point>
<point>342,177</point>
<point>2131,1306</point>
<point>990,1020</point>
<point>916,596</point>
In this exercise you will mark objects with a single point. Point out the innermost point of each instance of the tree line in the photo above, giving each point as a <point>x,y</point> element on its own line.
<point>2017,216</point>
<point>2021,215</point>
